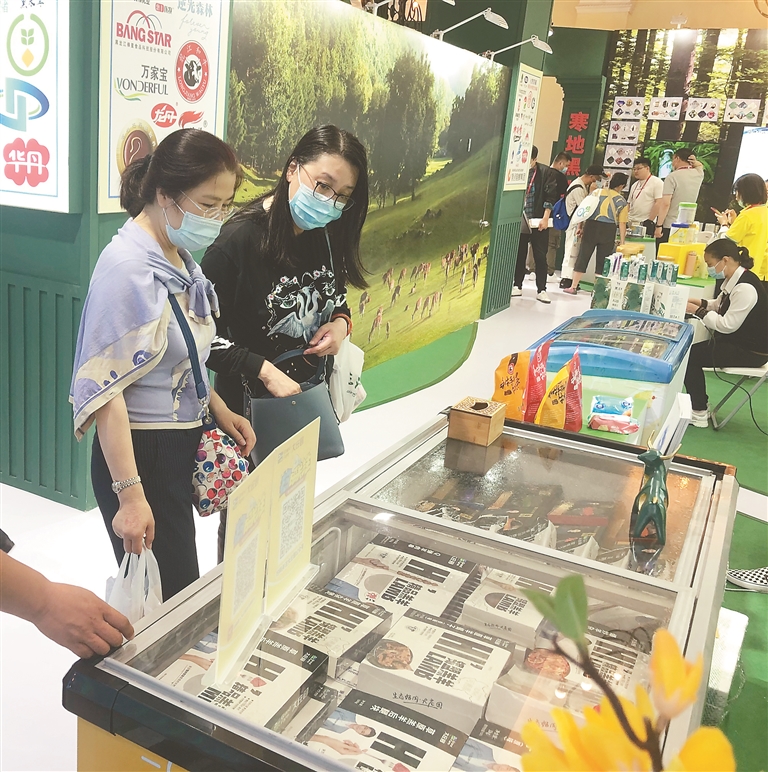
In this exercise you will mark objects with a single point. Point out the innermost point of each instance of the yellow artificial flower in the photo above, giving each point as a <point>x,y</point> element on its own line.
<point>543,755</point>
<point>674,682</point>
<point>706,750</point>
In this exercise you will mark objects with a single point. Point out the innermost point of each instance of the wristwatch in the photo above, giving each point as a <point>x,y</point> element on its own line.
<point>121,485</point>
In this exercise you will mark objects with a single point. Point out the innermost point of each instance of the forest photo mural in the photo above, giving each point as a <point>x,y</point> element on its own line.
<point>431,118</point>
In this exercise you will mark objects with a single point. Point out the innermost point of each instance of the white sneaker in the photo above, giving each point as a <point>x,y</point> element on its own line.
<point>700,418</point>
<point>542,297</point>
<point>516,292</point>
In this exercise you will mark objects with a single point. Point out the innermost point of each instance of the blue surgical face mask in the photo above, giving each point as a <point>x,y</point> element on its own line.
<point>309,212</point>
<point>714,273</point>
<point>195,232</point>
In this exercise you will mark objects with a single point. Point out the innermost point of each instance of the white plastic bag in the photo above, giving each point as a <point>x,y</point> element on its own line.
<point>586,209</point>
<point>347,392</point>
<point>136,590</point>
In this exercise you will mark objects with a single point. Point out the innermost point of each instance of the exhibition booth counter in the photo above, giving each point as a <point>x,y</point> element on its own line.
<point>414,646</point>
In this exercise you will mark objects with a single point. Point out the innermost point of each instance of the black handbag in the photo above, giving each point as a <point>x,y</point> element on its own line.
<point>276,419</point>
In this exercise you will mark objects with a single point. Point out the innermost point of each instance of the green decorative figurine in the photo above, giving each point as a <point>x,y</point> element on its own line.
<point>648,522</point>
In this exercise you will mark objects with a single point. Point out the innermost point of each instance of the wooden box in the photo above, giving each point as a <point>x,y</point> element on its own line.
<point>476,420</point>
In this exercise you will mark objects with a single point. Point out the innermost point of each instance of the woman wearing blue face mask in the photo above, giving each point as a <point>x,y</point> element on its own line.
<point>281,269</point>
<point>282,265</point>
<point>737,319</point>
<point>132,372</point>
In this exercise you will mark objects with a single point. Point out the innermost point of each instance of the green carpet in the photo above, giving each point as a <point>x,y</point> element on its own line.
<point>739,443</point>
<point>418,369</point>
<point>747,717</point>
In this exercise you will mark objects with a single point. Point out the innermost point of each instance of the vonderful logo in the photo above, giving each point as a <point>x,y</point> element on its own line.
<point>27,44</point>
<point>17,95</point>
<point>164,115</point>
<point>192,71</point>
<point>190,118</point>
<point>143,28</point>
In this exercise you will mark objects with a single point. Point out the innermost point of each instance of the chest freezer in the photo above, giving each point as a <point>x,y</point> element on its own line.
<point>624,355</point>
<point>134,717</point>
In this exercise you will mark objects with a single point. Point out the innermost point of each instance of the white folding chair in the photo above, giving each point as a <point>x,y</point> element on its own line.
<point>760,374</point>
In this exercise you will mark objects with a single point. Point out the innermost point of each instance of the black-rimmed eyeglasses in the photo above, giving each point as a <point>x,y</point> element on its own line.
<point>324,192</point>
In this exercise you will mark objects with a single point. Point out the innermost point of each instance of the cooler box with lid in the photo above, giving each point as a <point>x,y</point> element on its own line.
<point>623,355</point>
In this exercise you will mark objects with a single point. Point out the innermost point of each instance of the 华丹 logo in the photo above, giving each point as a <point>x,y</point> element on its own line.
<point>163,115</point>
<point>27,44</point>
<point>143,28</point>
<point>19,108</point>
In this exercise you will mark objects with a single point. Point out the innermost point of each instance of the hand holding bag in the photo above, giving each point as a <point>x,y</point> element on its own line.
<point>219,467</point>
<point>347,392</point>
<point>137,589</point>
<point>276,419</point>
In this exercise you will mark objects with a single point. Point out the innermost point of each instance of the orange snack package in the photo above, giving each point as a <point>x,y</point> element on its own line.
<point>510,380</point>
<point>573,397</point>
<point>561,406</point>
<point>537,381</point>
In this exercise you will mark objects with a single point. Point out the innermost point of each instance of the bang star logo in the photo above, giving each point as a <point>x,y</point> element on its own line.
<point>164,115</point>
<point>143,28</point>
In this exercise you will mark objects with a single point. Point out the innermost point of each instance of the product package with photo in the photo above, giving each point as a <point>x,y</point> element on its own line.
<point>491,747</point>
<point>374,734</point>
<point>440,668</point>
<point>398,575</point>
<point>271,688</point>
<point>344,628</point>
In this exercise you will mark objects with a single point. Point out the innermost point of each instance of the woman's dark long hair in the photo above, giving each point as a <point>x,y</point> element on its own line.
<point>721,248</point>
<point>344,233</point>
<point>183,160</point>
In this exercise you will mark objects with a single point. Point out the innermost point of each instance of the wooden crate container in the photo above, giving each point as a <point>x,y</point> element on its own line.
<point>476,420</point>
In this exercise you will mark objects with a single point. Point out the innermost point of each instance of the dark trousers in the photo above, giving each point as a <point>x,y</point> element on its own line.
<point>539,241</point>
<point>714,353</point>
<point>663,240</point>
<point>553,244</point>
<point>600,236</point>
<point>165,460</point>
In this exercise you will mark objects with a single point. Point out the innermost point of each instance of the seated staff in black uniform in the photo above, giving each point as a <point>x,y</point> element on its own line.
<point>279,287</point>
<point>738,319</point>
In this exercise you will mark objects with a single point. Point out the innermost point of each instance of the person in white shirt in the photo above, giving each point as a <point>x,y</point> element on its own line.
<point>681,186</point>
<point>576,193</point>
<point>644,196</point>
<point>737,319</point>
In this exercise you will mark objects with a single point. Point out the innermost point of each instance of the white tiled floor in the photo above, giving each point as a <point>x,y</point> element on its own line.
<point>36,733</point>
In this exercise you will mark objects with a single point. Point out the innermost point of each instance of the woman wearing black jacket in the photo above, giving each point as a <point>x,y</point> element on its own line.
<point>281,268</point>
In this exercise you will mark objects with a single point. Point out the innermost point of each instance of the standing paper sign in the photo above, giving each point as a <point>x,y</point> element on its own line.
<point>34,104</point>
<point>267,549</point>
<point>523,125</point>
<point>162,68</point>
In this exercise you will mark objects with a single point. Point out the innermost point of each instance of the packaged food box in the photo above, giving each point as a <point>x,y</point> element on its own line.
<point>343,628</point>
<point>491,747</point>
<point>377,735</point>
<point>442,669</point>
<point>499,607</point>
<point>542,679</point>
<point>271,688</point>
<point>398,575</point>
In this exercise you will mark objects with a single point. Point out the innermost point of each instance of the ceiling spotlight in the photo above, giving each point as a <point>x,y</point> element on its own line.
<point>534,39</point>
<point>550,32</point>
<point>487,14</point>
<point>678,21</point>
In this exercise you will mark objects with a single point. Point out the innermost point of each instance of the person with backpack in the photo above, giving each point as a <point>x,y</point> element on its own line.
<point>563,213</point>
<point>559,165</point>
<point>598,233</point>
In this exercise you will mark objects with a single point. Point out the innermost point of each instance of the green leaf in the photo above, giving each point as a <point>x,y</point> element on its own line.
<point>544,603</point>
<point>570,604</point>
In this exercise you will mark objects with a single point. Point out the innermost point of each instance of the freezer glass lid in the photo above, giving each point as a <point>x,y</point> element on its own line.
<point>549,494</point>
<point>660,328</point>
<point>634,343</point>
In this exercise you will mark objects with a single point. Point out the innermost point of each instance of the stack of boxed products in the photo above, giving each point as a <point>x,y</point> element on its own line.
<point>630,284</point>
<point>412,659</point>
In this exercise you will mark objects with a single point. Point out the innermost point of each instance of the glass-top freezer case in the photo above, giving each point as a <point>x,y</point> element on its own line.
<point>415,648</point>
